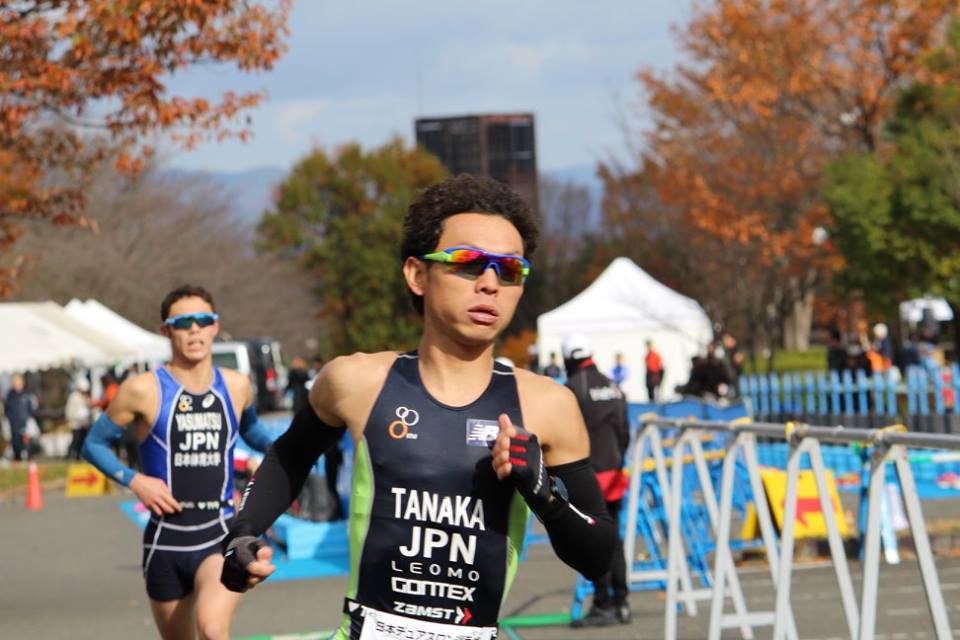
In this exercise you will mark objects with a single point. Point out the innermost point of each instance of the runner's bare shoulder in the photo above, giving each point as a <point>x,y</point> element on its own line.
<point>550,410</point>
<point>138,395</point>
<point>347,386</point>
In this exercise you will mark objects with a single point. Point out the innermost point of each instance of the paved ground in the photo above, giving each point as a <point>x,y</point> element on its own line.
<point>72,571</point>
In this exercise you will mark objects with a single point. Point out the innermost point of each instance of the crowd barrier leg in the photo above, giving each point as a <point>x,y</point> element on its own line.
<point>689,438</point>
<point>837,551</point>
<point>742,618</point>
<point>871,566</point>
<point>812,447</point>
<point>651,435</point>
<point>723,560</point>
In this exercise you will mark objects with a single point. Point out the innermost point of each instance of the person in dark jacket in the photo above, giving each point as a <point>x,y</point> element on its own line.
<point>19,406</point>
<point>604,410</point>
<point>297,383</point>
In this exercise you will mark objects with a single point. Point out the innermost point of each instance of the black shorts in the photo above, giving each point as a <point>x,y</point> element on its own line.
<point>169,574</point>
<point>172,556</point>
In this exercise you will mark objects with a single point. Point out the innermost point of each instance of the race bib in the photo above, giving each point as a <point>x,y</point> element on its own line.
<point>378,625</point>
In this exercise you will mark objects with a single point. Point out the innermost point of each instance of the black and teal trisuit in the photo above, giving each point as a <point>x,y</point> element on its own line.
<point>434,536</point>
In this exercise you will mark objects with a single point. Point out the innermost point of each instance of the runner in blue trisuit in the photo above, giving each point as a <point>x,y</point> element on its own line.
<point>187,415</point>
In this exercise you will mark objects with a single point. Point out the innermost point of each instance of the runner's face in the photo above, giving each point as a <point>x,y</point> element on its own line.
<point>476,309</point>
<point>196,343</point>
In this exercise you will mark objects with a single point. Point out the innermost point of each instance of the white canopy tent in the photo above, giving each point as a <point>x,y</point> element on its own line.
<point>622,309</point>
<point>145,345</point>
<point>30,340</point>
<point>912,310</point>
<point>117,351</point>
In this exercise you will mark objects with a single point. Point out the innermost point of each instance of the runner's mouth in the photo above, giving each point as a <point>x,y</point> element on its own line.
<point>483,314</point>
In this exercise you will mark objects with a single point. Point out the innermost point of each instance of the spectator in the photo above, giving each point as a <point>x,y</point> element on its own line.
<point>19,406</point>
<point>716,380</point>
<point>910,353</point>
<point>78,415</point>
<point>857,360</point>
<point>315,366</point>
<point>836,352</point>
<point>620,371</point>
<point>654,371</point>
<point>881,351</point>
<point>733,359</point>
<point>552,370</point>
<point>297,383</point>
<point>533,358</point>
<point>604,411</point>
<point>110,388</point>
<point>707,376</point>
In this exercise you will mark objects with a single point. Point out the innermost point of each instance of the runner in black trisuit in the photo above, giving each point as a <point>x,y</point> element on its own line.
<point>451,448</point>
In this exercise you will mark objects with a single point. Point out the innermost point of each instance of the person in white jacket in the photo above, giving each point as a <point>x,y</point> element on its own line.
<point>78,414</point>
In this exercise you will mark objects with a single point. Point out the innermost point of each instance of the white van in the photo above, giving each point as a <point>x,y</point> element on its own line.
<point>235,355</point>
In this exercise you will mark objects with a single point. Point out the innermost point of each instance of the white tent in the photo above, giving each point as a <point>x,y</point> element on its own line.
<point>29,342</point>
<point>52,312</point>
<point>146,346</point>
<point>617,313</point>
<point>912,310</point>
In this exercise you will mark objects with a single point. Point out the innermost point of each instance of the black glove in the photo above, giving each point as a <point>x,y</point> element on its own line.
<point>528,471</point>
<point>237,554</point>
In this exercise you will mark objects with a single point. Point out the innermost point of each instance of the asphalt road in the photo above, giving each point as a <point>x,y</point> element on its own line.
<point>72,571</point>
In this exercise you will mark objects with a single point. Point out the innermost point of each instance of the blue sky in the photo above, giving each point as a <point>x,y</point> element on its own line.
<point>363,71</point>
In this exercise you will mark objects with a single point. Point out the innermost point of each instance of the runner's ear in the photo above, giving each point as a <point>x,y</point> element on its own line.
<point>415,273</point>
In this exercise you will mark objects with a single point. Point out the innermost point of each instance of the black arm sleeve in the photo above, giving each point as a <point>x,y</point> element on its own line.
<point>581,531</point>
<point>282,473</point>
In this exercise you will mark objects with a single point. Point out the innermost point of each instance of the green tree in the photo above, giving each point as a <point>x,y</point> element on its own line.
<point>896,213</point>
<point>341,214</point>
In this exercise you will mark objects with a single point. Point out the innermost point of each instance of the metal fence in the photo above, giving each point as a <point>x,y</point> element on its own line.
<point>739,443</point>
<point>924,399</point>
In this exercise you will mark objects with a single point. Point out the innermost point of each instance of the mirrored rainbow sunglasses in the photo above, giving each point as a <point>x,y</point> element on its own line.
<point>186,320</point>
<point>472,262</point>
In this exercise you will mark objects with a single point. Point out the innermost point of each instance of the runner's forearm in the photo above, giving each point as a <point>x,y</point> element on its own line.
<point>581,531</point>
<point>97,450</point>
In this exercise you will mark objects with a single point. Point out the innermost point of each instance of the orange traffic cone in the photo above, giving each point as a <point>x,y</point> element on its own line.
<point>34,495</point>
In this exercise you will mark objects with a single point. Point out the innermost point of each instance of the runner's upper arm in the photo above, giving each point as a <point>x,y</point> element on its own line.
<point>133,400</point>
<point>329,388</point>
<point>551,411</point>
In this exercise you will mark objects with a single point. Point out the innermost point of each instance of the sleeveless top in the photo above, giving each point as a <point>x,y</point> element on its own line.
<point>190,447</point>
<point>433,534</point>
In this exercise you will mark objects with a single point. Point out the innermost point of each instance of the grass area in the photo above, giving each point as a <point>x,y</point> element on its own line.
<point>813,359</point>
<point>16,476</point>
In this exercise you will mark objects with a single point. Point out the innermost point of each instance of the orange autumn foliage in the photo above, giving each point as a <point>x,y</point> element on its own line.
<point>770,91</point>
<point>82,81</point>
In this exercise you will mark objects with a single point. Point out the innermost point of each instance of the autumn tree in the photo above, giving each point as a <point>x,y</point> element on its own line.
<point>156,232</point>
<point>82,81</point>
<point>896,212</point>
<point>340,214</point>
<point>769,92</point>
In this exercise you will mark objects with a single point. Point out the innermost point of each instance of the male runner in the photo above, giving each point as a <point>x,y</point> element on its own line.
<point>185,416</point>
<point>446,440</point>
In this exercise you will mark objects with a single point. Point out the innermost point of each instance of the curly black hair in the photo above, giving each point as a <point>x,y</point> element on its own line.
<point>464,193</point>
<point>184,291</point>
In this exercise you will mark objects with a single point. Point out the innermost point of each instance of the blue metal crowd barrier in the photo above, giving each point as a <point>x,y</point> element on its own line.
<point>924,399</point>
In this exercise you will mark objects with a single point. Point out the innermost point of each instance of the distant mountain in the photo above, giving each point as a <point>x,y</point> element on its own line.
<point>252,191</point>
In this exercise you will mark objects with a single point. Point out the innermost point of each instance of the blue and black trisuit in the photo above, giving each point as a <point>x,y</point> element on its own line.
<point>434,536</point>
<point>190,448</point>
